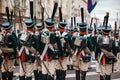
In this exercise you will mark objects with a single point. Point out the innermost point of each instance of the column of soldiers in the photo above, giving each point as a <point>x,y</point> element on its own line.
<point>43,49</point>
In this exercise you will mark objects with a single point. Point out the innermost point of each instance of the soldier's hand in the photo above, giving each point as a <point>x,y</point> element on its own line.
<point>37,54</point>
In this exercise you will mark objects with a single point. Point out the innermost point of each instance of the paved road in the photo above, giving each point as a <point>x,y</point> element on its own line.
<point>91,75</point>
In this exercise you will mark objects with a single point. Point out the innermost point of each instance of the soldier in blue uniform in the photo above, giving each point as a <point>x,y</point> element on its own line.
<point>8,47</point>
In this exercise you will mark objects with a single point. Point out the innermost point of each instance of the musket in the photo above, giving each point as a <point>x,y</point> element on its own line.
<point>82,15</point>
<point>7,11</point>
<point>54,10</point>
<point>95,32</point>
<point>34,11</point>
<point>31,9</point>
<point>71,22</point>
<point>11,15</point>
<point>91,22</point>
<point>74,21</point>
<point>82,24</point>
<point>60,15</point>
<point>115,26</point>
<point>106,20</point>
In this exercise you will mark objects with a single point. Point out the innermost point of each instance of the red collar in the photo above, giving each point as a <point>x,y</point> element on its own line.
<point>7,31</point>
<point>30,30</point>
<point>82,32</point>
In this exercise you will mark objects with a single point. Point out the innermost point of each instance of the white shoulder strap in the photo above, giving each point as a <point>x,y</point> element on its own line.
<point>44,51</point>
<point>101,56</point>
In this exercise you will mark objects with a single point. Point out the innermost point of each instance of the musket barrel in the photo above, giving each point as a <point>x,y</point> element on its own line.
<point>91,22</point>
<point>75,21</point>
<point>60,14</point>
<point>107,17</point>
<point>82,15</point>
<point>54,10</point>
<point>72,21</point>
<point>31,9</point>
<point>7,11</point>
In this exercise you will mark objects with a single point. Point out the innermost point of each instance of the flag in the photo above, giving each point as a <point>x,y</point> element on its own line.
<point>91,5</point>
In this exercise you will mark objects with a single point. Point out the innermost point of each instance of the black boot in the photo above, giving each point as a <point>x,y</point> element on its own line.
<point>101,77</point>
<point>36,74</point>
<point>77,74</point>
<point>28,78</point>
<point>4,75</point>
<point>71,67</point>
<point>21,77</point>
<point>44,76</point>
<point>50,77</point>
<point>63,75</point>
<point>10,75</point>
<point>83,75</point>
<point>68,67</point>
<point>58,74</point>
<point>40,75</point>
<point>108,77</point>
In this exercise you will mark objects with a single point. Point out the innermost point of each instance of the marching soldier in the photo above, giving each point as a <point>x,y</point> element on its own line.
<point>81,51</point>
<point>97,49</point>
<point>106,57</point>
<point>66,51</point>
<point>37,63</point>
<point>116,48</point>
<point>90,42</point>
<point>8,47</point>
<point>28,44</point>
<point>116,45</point>
<point>118,61</point>
<point>65,48</point>
<point>48,41</point>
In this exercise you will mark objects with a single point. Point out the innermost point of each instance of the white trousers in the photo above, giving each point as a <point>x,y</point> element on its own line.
<point>26,69</point>
<point>106,69</point>
<point>61,65</point>
<point>50,65</point>
<point>7,66</point>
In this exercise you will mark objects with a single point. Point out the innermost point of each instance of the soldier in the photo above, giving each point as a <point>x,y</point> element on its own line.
<point>28,44</point>
<point>118,61</point>
<point>37,63</point>
<point>61,64</point>
<point>116,49</point>
<point>116,45</point>
<point>66,48</point>
<point>8,52</point>
<point>8,46</point>
<point>47,38</point>
<point>106,57</point>
<point>81,50</point>
<point>97,49</point>
<point>90,42</point>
